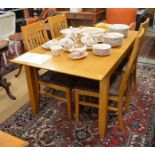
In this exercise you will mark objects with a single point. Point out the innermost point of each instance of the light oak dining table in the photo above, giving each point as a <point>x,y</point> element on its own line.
<point>91,67</point>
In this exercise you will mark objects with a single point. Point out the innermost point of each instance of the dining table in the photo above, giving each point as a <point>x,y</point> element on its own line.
<point>91,67</point>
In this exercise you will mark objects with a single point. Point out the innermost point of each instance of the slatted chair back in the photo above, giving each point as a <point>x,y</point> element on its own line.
<point>56,24</point>
<point>132,60</point>
<point>144,26</point>
<point>34,35</point>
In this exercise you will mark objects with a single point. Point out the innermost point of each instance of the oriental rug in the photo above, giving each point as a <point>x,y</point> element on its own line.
<point>51,127</point>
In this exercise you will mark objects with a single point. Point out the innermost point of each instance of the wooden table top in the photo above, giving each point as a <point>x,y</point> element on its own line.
<point>92,67</point>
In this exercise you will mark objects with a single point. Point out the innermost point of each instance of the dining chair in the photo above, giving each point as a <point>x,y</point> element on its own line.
<point>119,87</point>
<point>56,24</point>
<point>122,66</point>
<point>17,37</point>
<point>142,25</point>
<point>121,16</point>
<point>34,35</point>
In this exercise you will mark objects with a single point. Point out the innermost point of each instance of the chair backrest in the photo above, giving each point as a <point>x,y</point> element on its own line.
<point>144,25</point>
<point>121,15</point>
<point>132,60</point>
<point>7,24</point>
<point>34,35</point>
<point>57,23</point>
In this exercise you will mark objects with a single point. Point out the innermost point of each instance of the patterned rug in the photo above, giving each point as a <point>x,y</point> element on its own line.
<point>51,126</point>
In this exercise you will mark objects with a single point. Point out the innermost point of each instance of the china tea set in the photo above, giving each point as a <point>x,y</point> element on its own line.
<point>78,40</point>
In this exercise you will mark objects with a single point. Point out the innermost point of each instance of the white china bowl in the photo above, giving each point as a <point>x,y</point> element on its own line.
<point>101,49</point>
<point>113,38</point>
<point>121,28</point>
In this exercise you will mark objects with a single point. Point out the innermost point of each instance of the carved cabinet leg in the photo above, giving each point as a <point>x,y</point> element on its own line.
<point>6,85</point>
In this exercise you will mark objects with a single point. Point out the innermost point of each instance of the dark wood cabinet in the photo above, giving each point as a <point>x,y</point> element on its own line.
<point>86,17</point>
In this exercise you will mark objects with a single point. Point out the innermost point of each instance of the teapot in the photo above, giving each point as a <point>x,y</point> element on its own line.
<point>67,43</point>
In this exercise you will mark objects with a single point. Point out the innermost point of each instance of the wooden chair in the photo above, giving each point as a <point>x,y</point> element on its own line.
<point>33,36</point>
<point>142,25</point>
<point>7,140</point>
<point>57,23</point>
<point>122,66</point>
<point>119,87</point>
<point>17,37</point>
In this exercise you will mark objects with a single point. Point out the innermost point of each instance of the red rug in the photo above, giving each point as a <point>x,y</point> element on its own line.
<point>52,128</point>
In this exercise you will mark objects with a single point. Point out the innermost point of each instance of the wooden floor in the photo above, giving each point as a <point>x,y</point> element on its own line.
<point>18,89</point>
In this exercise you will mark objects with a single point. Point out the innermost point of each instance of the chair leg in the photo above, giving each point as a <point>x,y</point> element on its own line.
<point>134,79</point>
<point>19,71</point>
<point>76,105</point>
<point>127,96</point>
<point>68,96</point>
<point>127,100</point>
<point>120,114</point>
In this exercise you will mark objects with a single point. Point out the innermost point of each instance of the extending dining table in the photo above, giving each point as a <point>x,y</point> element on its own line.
<point>91,67</point>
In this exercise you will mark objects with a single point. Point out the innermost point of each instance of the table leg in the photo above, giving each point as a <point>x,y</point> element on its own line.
<point>33,88</point>
<point>103,105</point>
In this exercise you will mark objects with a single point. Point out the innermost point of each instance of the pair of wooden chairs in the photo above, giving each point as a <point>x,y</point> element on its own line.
<point>34,35</point>
<point>119,86</point>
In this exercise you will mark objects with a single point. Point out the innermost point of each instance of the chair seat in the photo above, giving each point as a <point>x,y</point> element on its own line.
<point>7,140</point>
<point>93,85</point>
<point>58,79</point>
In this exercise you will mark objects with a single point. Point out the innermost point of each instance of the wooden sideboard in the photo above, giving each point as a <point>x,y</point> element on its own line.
<point>85,17</point>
